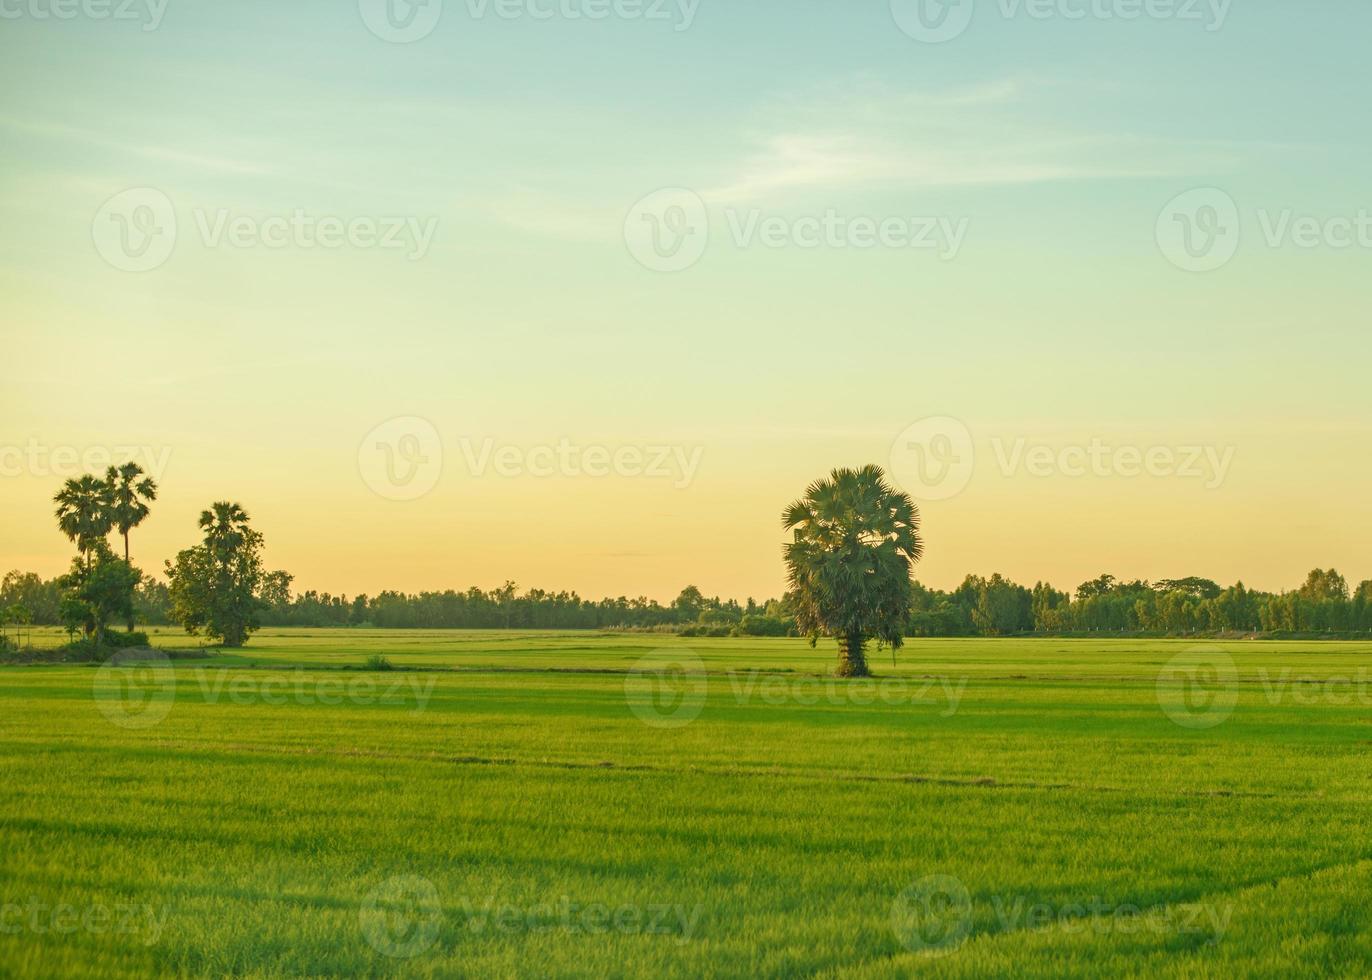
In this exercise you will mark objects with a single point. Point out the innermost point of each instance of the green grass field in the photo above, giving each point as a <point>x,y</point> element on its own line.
<point>531,804</point>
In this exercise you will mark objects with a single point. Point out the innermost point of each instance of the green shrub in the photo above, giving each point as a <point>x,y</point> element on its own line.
<point>764,626</point>
<point>377,662</point>
<point>125,641</point>
<point>84,651</point>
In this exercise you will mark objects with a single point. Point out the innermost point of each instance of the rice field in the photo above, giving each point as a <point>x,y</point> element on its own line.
<point>571,804</point>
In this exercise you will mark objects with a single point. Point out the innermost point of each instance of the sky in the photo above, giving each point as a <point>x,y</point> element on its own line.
<point>580,293</point>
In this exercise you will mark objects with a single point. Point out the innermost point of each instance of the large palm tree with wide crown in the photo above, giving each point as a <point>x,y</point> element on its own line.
<point>855,541</point>
<point>129,498</point>
<point>84,513</point>
<point>226,527</point>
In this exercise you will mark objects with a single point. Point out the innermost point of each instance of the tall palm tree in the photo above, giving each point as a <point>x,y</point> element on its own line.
<point>129,499</point>
<point>225,526</point>
<point>855,542</point>
<point>83,513</point>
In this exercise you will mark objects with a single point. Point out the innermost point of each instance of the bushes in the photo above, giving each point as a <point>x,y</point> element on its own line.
<point>765,626</point>
<point>87,650</point>
<point>377,662</point>
<point>126,641</point>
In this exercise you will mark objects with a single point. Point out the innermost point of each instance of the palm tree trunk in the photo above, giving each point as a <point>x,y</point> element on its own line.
<point>126,562</point>
<point>852,661</point>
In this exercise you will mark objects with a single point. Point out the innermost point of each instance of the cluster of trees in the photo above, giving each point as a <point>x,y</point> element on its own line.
<point>215,587</point>
<point>99,588</point>
<point>218,585</point>
<point>999,607</point>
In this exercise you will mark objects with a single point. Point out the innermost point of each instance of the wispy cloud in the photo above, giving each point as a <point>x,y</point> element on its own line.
<point>866,134</point>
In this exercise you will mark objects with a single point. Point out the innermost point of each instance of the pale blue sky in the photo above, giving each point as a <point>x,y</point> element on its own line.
<point>1059,142</point>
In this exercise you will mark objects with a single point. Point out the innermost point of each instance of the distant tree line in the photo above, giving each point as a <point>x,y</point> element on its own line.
<point>992,606</point>
<point>1000,607</point>
<point>502,608</point>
